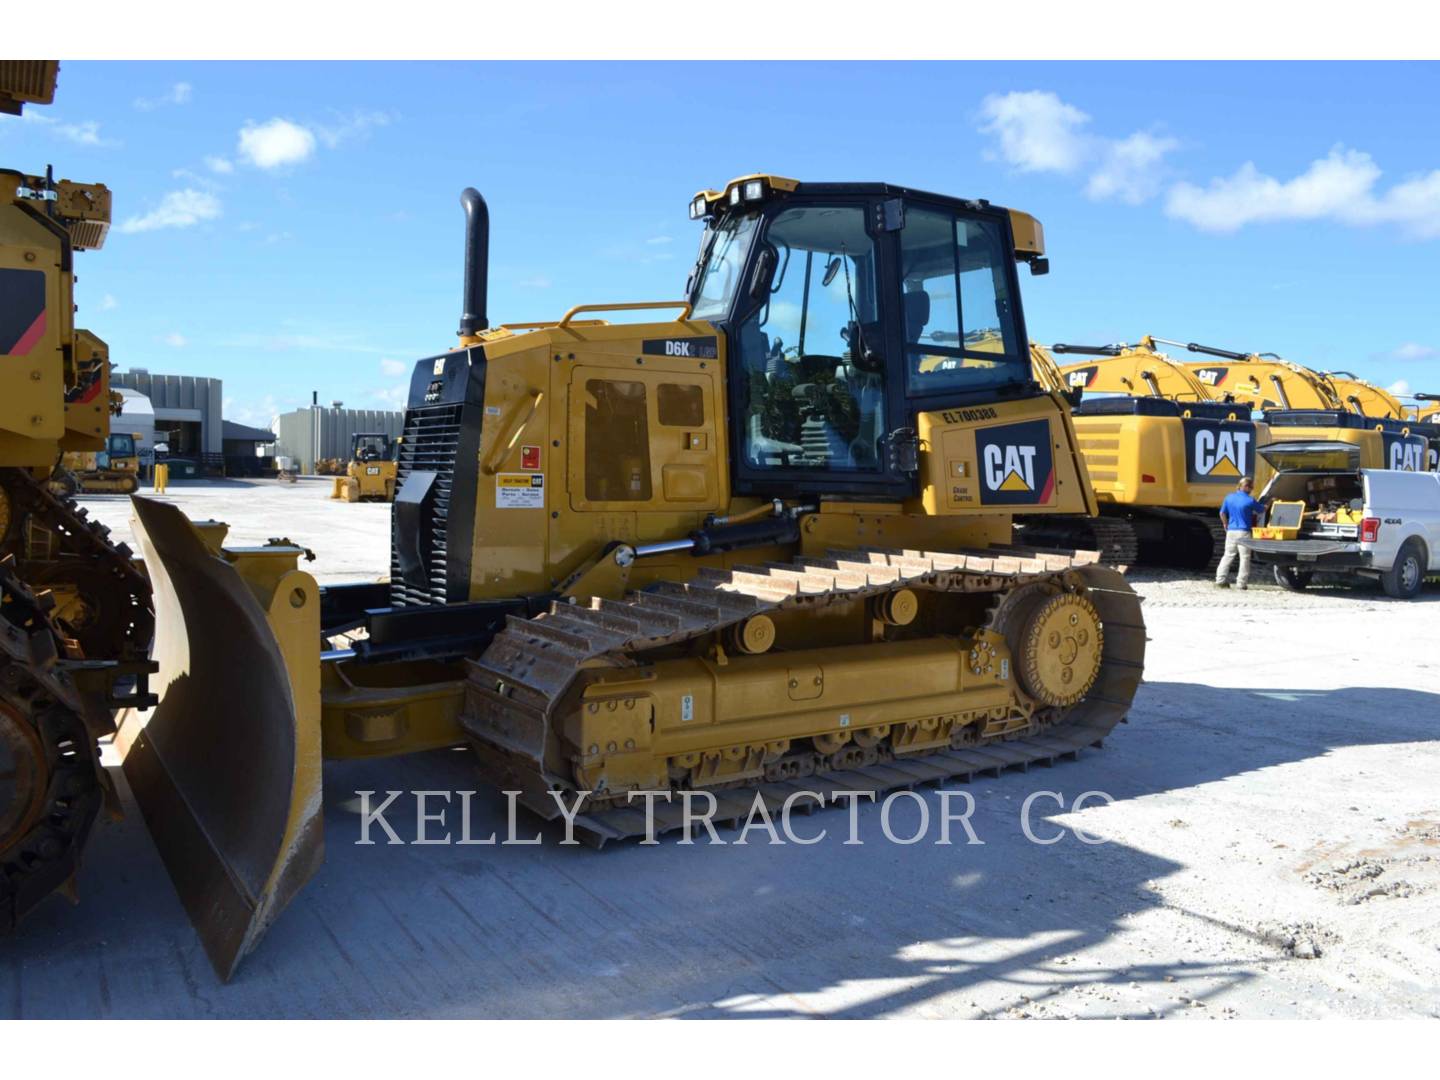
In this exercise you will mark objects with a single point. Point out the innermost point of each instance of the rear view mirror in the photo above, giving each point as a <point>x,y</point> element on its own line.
<point>831,269</point>
<point>764,267</point>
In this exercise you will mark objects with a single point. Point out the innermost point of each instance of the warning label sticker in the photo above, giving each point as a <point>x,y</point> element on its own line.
<point>520,491</point>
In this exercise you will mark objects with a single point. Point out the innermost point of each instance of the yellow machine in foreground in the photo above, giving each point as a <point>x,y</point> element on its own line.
<point>762,546</point>
<point>1161,451</point>
<point>370,475</point>
<point>74,610</point>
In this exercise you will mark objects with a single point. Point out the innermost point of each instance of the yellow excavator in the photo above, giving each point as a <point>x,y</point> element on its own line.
<point>1304,408</point>
<point>1161,450</point>
<point>370,473</point>
<point>75,611</point>
<point>759,547</point>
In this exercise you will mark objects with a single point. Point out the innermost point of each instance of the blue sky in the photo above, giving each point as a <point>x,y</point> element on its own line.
<point>291,227</point>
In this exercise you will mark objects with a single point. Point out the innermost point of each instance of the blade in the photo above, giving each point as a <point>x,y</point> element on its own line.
<point>226,768</point>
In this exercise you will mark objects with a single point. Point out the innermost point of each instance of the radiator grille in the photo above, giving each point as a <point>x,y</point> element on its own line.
<point>430,444</point>
<point>29,81</point>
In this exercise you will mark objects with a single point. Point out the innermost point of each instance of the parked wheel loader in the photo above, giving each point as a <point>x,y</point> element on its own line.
<point>74,609</point>
<point>761,545</point>
<point>1161,450</point>
<point>370,473</point>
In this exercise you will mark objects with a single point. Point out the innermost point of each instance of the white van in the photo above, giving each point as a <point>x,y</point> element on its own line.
<point>1376,523</point>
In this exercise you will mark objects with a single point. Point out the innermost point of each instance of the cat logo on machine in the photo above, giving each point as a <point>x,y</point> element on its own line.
<point>1218,453</point>
<point>1081,377</point>
<point>1016,463</point>
<point>1211,376</point>
<point>1405,453</point>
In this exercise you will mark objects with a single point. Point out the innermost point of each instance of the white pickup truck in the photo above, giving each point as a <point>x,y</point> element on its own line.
<point>1328,515</point>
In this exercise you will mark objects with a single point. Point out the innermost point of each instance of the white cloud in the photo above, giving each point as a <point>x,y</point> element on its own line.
<point>1413,204</point>
<point>1130,169</point>
<point>177,210</point>
<point>81,133</point>
<point>108,303</point>
<point>1339,187</point>
<point>660,240</point>
<point>1413,350</point>
<point>393,367</point>
<point>1035,131</point>
<point>219,164</point>
<point>351,125</point>
<point>176,340</point>
<point>280,142</point>
<point>1332,186</point>
<point>178,94</point>
<point>85,133</point>
<point>190,176</point>
<point>539,281</point>
<point>260,413</point>
<point>392,397</point>
<point>275,143</point>
<point>1400,387</point>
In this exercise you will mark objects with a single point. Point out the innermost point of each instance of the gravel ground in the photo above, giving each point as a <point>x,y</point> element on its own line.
<point>1272,850</point>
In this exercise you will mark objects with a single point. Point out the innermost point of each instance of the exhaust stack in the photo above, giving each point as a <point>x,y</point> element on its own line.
<point>477,263</point>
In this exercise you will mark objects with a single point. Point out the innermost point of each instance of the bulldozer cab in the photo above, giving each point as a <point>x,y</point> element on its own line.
<point>119,448</point>
<point>848,310</point>
<point>368,446</point>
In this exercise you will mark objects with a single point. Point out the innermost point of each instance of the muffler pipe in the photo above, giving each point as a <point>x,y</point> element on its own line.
<point>473,318</point>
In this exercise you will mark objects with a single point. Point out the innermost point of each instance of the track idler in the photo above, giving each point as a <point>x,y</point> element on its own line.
<point>51,784</point>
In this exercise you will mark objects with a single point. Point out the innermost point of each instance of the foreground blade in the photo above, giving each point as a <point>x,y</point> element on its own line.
<point>226,768</point>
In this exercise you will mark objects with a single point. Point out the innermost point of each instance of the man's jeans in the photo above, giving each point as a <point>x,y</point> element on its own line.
<point>1232,547</point>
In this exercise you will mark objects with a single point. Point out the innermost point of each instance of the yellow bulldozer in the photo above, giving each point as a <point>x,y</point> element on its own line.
<point>116,469</point>
<point>1162,451</point>
<point>75,610</point>
<point>762,546</point>
<point>370,473</point>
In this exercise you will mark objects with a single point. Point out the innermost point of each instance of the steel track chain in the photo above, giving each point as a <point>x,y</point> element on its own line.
<point>515,688</point>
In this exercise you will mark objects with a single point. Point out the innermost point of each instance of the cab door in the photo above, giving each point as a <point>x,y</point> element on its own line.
<point>814,401</point>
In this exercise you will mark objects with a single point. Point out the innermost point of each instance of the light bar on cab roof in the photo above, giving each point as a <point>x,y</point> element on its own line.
<point>700,205</point>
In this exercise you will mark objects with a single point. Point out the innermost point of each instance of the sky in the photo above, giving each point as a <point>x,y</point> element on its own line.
<point>291,227</point>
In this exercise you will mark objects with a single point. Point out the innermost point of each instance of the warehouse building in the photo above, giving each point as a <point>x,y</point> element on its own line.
<point>300,433</point>
<point>249,451</point>
<point>137,418</point>
<point>186,411</point>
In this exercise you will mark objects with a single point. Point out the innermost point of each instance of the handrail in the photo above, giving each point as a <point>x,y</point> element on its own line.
<point>549,322</point>
<point>646,305</point>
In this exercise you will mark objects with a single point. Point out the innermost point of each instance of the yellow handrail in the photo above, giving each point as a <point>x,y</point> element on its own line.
<point>549,322</point>
<point>645,306</point>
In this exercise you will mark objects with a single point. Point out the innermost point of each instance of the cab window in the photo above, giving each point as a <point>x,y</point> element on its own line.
<point>811,353</point>
<point>960,324</point>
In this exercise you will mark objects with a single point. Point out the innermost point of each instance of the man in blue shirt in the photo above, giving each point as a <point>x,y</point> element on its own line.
<point>1239,513</point>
